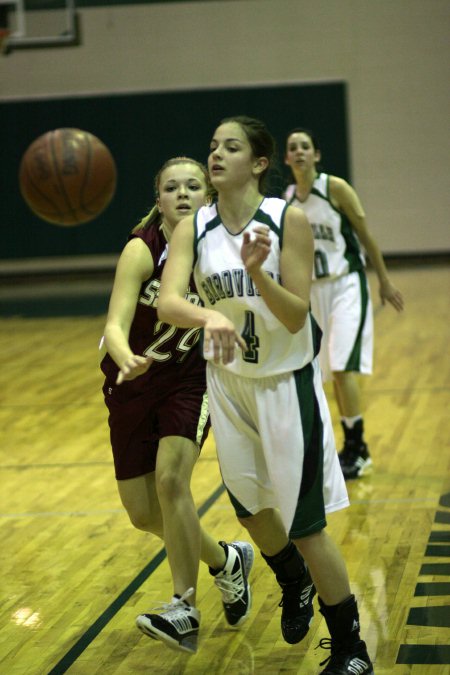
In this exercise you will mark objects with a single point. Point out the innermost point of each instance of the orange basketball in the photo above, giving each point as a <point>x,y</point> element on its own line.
<point>67,176</point>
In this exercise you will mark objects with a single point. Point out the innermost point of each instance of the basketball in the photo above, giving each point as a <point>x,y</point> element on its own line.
<point>67,176</point>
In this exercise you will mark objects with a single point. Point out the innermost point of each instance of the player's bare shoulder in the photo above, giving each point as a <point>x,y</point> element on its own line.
<point>296,217</point>
<point>298,231</point>
<point>136,256</point>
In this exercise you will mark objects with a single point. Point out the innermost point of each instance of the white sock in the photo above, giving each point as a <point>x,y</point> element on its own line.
<point>351,421</point>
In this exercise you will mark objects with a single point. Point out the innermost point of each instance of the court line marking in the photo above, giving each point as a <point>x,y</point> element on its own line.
<point>99,512</point>
<point>99,624</point>
<point>55,465</point>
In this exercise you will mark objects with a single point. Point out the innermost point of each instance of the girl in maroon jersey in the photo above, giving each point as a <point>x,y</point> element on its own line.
<point>155,391</point>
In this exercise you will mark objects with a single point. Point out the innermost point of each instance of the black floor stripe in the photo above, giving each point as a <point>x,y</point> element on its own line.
<point>445,500</point>
<point>432,655</point>
<point>442,517</point>
<point>438,550</point>
<point>440,535</point>
<point>433,588</point>
<point>85,640</point>
<point>438,617</point>
<point>435,568</point>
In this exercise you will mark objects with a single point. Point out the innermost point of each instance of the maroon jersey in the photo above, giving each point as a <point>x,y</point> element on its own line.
<point>170,398</point>
<point>175,350</point>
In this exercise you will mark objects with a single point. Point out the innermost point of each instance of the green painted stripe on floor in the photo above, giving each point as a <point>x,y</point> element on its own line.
<point>442,517</point>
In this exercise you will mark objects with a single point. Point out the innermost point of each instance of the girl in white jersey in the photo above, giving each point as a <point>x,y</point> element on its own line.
<point>340,296</point>
<point>252,260</point>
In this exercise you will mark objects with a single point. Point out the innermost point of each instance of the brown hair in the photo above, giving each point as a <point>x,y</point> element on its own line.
<point>261,142</point>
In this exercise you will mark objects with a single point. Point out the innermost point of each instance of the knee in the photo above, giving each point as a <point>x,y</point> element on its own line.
<point>171,485</point>
<point>143,520</point>
<point>306,544</point>
<point>339,376</point>
<point>245,521</point>
<point>253,523</point>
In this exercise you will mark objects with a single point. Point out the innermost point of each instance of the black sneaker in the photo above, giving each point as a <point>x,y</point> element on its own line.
<point>346,660</point>
<point>233,584</point>
<point>177,626</point>
<point>297,608</point>
<point>354,460</point>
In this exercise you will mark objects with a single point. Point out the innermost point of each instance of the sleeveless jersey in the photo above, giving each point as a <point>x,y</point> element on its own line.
<point>337,250</point>
<point>168,345</point>
<point>224,285</point>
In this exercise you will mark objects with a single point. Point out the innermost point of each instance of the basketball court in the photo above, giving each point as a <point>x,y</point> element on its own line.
<point>75,572</point>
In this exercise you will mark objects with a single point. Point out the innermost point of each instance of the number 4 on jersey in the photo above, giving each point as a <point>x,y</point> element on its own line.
<point>251,339</point>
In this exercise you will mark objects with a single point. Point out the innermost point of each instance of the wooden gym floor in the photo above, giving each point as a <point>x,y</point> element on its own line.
<point>75,573</point>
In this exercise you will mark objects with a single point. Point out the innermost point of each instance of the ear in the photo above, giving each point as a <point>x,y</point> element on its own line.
<point>317,156</point>
<point>260,165</point>
<point>158,205</point>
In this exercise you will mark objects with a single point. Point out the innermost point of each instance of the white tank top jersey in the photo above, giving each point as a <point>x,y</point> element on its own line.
<point>337,250</point>
<point>224,285</point>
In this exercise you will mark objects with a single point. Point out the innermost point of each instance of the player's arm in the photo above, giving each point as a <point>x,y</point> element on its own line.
<point>348,202</point>
<point>290,301</point>
<point>175,309</point>
<point>134,266</point>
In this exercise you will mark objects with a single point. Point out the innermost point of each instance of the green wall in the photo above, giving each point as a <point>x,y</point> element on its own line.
<point>142,131</point>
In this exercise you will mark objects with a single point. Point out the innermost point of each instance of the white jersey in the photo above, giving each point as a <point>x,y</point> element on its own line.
<point>337,250</point>
<point>224,285</point>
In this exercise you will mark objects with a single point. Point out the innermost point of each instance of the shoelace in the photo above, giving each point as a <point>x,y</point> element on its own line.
<point>177,603</point>
<point>294,596</point>
<point>337,658</point>
<point>325,643</point>
<point>233,590</point>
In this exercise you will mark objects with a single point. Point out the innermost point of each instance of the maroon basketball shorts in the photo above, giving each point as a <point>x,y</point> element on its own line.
<point>139,420</point>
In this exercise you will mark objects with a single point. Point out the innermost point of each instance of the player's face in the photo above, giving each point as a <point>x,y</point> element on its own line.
<point>300,152</point>
<point>182,190</point>
<point>230,161</point>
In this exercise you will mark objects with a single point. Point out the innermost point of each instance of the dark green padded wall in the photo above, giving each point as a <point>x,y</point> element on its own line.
<point>142,131</point>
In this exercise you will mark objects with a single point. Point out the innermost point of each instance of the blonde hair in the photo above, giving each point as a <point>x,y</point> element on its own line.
<point>154,217</point>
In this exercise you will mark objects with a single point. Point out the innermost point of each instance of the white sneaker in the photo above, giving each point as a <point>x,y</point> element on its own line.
<point>177,626</point>
<point>233,583</point>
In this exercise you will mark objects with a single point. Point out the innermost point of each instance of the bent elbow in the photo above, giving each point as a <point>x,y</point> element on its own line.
<point>296,327</point>
<point>161,311</point>
<point>161,314</point>
<point>297,323</point>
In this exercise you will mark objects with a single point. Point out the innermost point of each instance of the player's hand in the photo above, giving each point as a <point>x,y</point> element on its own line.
<point>221,338</point>
<point>133,367</point>
<point>255,247</point>
<point>388,293</point>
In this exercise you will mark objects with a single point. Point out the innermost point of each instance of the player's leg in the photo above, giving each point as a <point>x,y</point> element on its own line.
<point>245,475</point>
<point>268,532</point>
<point>337,604</point>
<point>174,464</point>
<point>354,457</point>
<point>186,543</point>
<point>350,353</point>
<point>178,624</point>
<point>323,557</point>
<point>138,496</point>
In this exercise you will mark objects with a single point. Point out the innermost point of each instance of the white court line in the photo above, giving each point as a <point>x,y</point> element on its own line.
<point>47,514</point>
<point>77,514</point>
